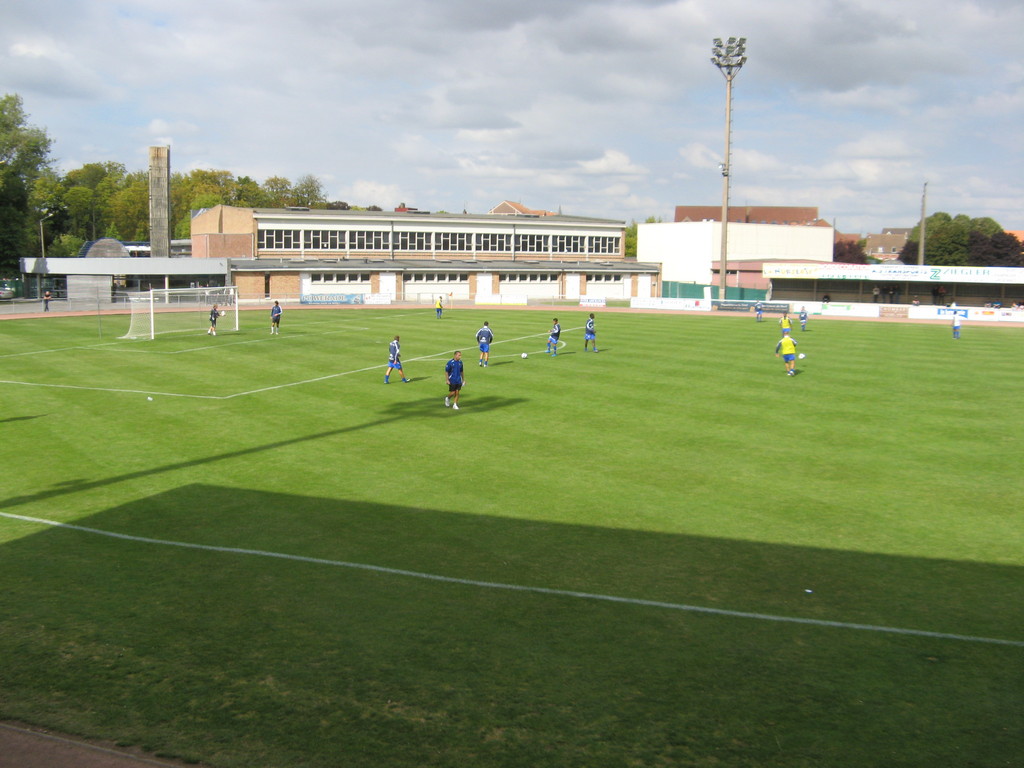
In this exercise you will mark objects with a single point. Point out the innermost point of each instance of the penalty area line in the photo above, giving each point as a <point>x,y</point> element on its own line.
<point>590,596</point>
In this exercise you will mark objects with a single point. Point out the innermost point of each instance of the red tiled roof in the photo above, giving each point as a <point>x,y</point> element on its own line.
<point>751,214</point>
<point>517,209</point>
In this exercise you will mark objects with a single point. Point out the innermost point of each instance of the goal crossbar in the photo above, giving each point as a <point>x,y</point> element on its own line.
<point>181,310</point>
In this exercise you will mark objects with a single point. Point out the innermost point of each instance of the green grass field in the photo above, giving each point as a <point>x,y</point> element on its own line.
<point>665,554</point>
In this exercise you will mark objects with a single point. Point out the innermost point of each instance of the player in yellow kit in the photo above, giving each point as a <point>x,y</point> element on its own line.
<point>787,346</point>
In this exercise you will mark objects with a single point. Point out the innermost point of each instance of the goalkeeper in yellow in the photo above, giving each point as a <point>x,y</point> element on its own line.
<point>787,346</point>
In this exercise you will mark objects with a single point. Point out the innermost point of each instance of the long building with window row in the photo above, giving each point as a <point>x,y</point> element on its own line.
<point>409,254</point>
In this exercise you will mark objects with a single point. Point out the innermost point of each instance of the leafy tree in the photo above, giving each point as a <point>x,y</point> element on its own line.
<point>278,192</point>
<point>65,246</point>
<point>47,198</point>
<point>309,191</point>
<point>1000,250</point>
<point>24,156</point>
<point>985,226</point>
<point>88,191</point>
<point>631,238</point>
<point>79,202</point>
<point>247,193</point>
<point>129,207</point>
<point>92,174</point>
<point>1007,250</point>
<point>948,239</point>
<point>849,252</point>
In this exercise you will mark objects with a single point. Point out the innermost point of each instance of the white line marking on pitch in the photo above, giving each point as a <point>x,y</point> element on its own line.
<point>326,377</point>
<point>260,390</point>
<point>521,588</point>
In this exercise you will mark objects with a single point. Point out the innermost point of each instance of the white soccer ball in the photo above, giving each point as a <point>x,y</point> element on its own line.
<point>801,355</point>
<point>222,313</point>
<point>524,355</point>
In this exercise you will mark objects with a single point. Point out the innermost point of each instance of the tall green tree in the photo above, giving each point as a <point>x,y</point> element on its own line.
<point>947,239</point>
<point>278,192</point>
<point>87,196</point>
<point>24,155</point>
<point>309,191</point>
<point>129,207</point>
<point>247,193</point>
<point>1001,249</point>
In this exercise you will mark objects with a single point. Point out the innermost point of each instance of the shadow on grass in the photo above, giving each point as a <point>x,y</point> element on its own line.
<point>280,629</point>
<point>23,418</point>
<point>395,412</point>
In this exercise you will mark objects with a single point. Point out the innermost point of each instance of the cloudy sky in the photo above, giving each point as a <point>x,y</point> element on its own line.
<point>607,108</point>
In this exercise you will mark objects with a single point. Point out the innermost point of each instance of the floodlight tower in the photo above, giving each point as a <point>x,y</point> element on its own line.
<point>729,58</point>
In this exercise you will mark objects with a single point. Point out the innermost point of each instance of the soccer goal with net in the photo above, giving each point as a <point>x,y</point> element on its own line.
<point>181,310</point>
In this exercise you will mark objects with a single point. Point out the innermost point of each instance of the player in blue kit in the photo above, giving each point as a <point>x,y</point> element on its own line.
<point>589,334</point>
<point>395,361</point>
<point>803,318</point>
<point>455,377</point>
<point>759,309</point>
<point>484,337</point>
<point>556,331</point>
<point>275,318</point>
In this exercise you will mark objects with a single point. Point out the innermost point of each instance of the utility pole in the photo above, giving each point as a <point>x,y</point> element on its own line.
<point>920,240</point>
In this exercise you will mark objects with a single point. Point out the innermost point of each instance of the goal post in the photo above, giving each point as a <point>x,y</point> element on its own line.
<point>180,310</point>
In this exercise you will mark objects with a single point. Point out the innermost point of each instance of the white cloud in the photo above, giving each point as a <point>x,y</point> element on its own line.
<point>612,163</point>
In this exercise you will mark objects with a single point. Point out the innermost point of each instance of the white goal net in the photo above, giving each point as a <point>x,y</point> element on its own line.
<point>181,310</point>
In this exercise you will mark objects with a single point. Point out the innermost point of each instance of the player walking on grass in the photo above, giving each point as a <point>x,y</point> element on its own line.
<point>484,337</point>
<point>803,318</point>
<point>395,361</point>
<point>556,331</point>
<point>275,318</point>
<point>785,323</point>
<point>759,309</point>
<point>787,346</point>
<point>589,334</point>
<point>214,314</point>
<point>957,322</point>
<point>439,306</point>
<point>455,376</point>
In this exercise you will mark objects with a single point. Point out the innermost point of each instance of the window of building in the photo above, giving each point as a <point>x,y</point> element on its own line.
<point>324,239</point>
<point>413,241</point>
<point>533,243</point>
<point>453,241</point>
<point>284,239</point>
<point>599,244</point>
<point>370,241</point>
<point>493,242</point>
<point>570,244</point>
<point>319,278</point>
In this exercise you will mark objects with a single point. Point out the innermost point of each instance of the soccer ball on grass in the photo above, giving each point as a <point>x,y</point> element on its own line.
<point>524,355</point>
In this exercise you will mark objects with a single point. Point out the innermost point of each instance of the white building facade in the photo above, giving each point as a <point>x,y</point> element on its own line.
<point>688,251</point>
